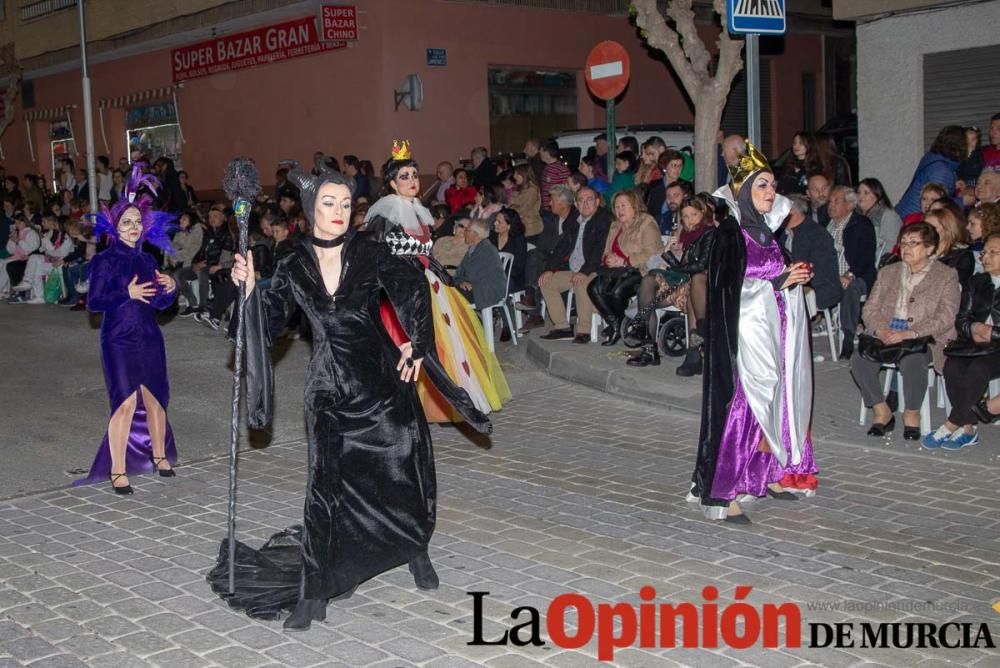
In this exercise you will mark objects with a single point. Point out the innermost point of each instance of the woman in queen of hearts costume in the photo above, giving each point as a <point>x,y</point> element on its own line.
<point>399,219</point>
<point>757,394</point>
<point>126,286</point>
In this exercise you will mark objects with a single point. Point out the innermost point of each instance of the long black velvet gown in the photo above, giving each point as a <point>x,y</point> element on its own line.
<point>371,495</point>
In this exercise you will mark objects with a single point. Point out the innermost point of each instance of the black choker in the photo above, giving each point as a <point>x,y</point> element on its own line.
<point>328,243</point>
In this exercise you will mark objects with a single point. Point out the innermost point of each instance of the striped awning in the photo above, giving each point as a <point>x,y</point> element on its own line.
<point>134,99</point>
<point>50,113</point>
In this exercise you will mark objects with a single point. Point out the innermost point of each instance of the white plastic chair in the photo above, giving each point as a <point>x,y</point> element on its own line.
<point>513,298</point>
<point>925,408</point>
<point>831,317</point>
<point>486,312</point>
<point>831,320</point>
<point>596,325</point>
<point>569,305</point>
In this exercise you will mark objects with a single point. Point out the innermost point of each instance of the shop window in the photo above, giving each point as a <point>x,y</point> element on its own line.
<point>153,133</point>
<point>61,146</point>
<point>527,103</point>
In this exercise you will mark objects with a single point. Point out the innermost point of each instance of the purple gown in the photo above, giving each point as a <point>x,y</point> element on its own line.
<point>741,468</point>
<point>132,351</point>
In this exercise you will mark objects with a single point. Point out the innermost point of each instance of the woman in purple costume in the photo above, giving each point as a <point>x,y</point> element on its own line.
<point>757,395</point>
<point>127,288</point>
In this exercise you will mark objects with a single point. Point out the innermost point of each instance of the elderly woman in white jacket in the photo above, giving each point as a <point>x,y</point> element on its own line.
<point>54,245</point>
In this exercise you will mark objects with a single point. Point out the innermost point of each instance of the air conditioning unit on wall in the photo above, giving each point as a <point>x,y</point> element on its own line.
<point>411,95</point>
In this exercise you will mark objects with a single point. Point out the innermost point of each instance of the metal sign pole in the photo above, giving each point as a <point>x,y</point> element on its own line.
<point>612,140</point>
<point>752,48</point>
<point>88,113</point>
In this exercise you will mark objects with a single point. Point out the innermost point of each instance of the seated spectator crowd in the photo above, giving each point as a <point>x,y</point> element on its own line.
<point>910,288</point>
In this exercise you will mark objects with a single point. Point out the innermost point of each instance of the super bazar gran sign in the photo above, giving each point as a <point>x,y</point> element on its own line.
<point>270,44</point>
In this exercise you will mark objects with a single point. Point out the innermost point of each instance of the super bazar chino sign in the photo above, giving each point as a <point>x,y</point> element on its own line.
<point>270,44</point>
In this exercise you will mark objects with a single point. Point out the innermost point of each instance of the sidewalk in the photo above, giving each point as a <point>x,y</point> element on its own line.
<point>836,405</point>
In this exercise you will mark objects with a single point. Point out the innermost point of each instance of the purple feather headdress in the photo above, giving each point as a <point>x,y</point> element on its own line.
<point>156,225</point>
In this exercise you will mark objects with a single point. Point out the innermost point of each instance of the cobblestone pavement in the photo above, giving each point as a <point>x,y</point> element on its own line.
<point>579,491</point>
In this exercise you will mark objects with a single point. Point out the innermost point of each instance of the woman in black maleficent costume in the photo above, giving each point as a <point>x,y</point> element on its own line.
<point>371,495</point>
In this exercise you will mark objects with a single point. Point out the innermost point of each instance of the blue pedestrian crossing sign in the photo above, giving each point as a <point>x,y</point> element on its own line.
<point>766,17</point>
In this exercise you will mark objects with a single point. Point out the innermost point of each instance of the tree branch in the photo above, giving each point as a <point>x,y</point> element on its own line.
<point>660,36</point>
<point>682,14</point>
<point>730,50</point>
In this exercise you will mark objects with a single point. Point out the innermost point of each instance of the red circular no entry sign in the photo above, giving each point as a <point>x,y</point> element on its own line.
<point>607,70</point>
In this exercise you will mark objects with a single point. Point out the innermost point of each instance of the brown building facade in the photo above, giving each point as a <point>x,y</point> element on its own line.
<point>206,80</point>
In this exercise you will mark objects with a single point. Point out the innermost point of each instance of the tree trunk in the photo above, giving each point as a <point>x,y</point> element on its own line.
<point>707,117</point>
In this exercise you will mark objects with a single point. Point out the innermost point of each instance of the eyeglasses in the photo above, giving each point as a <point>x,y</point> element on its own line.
<point>985,254</point>
<point>586,200</point>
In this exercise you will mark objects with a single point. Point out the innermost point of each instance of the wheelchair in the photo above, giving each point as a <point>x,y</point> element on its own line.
<point>671,330</point>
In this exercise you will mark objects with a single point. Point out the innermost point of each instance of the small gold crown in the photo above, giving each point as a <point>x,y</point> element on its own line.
<point>400,150</point>
<point>752,162</point>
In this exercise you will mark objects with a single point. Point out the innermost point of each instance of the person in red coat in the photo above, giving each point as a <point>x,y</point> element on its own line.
<point>461,194</point>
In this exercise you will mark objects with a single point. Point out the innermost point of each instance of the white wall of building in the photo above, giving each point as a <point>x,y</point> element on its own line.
<point>890,82</point>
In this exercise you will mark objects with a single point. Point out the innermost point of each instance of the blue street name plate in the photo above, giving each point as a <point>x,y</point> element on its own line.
<point>437,57</point>
<point>766,17</point>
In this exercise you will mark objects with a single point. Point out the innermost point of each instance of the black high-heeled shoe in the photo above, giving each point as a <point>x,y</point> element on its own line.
<point>424,575</point>
<point>878,429</point>
<point>782,495</point>
<point>307,611</point>
<point>740,519</point>
<point>123,489</point>
<point>164,473</point>
<point>982,412</point>
<point>613,336</point>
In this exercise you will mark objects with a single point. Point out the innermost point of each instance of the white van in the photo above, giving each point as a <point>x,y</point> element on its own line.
<point>573,144</point>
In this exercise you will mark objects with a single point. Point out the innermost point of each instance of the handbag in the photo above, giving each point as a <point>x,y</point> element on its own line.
<point>672,278</point>
<point>966,348</point>
<point>52,288</point>
<point>873,349</point>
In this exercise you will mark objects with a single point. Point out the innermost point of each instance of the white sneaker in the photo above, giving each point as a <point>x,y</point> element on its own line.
<point>23,286</point>
<point>36,300</point>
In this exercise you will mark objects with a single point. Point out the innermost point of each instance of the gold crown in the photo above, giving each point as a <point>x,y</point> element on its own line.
<point>400,150</point>
<point>753,161</point>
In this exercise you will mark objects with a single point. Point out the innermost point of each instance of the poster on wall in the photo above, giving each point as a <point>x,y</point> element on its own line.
<point>261,46</point>
<point>153,114</point>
